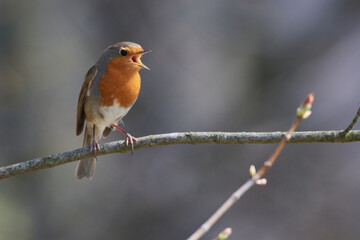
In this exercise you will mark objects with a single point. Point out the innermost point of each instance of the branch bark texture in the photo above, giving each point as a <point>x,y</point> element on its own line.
<point>179,138</point>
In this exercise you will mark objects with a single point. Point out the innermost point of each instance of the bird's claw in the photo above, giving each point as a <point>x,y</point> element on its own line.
<point>130,139</point>
<point>94,147</point>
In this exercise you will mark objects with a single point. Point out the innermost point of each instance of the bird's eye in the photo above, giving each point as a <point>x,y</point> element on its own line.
<point>123,52</point>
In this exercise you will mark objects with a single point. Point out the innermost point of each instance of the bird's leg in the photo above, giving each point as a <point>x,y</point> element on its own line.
<point>95,145</point>
<point>129,138</point>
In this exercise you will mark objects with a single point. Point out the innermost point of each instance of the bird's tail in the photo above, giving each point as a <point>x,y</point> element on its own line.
<point>86,167</point>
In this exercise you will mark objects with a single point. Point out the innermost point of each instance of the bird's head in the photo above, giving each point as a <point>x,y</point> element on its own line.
<point>129,54</point>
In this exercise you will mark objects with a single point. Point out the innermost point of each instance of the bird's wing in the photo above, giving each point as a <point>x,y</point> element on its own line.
<point>80,117</point>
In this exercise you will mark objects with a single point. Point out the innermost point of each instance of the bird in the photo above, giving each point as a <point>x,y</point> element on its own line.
<point>110,89</point>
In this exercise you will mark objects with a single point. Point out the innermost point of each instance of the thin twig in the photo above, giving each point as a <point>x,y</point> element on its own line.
<point>351,125</point>
<point>177,138</point>
<point>267,165</point>
<point>302,112</point>
<point>223,209</point>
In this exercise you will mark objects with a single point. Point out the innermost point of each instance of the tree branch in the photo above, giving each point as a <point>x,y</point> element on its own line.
<point>178,138</point>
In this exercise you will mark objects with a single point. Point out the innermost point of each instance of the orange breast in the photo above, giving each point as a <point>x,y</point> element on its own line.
<point>120,83</point>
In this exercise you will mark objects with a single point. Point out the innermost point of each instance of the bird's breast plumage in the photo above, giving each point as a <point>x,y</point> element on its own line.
<point>119,84</point>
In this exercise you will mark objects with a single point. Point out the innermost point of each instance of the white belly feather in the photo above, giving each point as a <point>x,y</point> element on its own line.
<point>104,116</point>
<point>113,114</point>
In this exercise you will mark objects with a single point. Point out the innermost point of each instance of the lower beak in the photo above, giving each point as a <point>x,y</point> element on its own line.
<point>143,66</point>
<point>140,63</point>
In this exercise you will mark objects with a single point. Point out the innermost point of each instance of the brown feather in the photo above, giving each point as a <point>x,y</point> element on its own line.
<point>107,131</point>
<point>80,117</point>
<point>86,167</point>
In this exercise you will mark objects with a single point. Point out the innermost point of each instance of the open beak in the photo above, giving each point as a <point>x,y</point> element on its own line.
<point>136,59</point>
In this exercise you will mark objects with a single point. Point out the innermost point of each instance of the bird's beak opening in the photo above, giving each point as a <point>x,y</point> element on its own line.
<point>137,61</point>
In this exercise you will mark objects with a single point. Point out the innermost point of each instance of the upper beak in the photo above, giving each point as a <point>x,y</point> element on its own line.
<point>139,61</point>
<point>144,51</point>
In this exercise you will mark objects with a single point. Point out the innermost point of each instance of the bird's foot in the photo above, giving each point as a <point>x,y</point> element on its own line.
<point>129,139</point>
<point>94,147</point>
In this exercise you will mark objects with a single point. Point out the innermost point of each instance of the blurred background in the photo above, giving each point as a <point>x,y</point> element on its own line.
<point>215,66</point>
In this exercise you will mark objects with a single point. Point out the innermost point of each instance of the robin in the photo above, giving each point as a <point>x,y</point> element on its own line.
<point>110,89</point>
